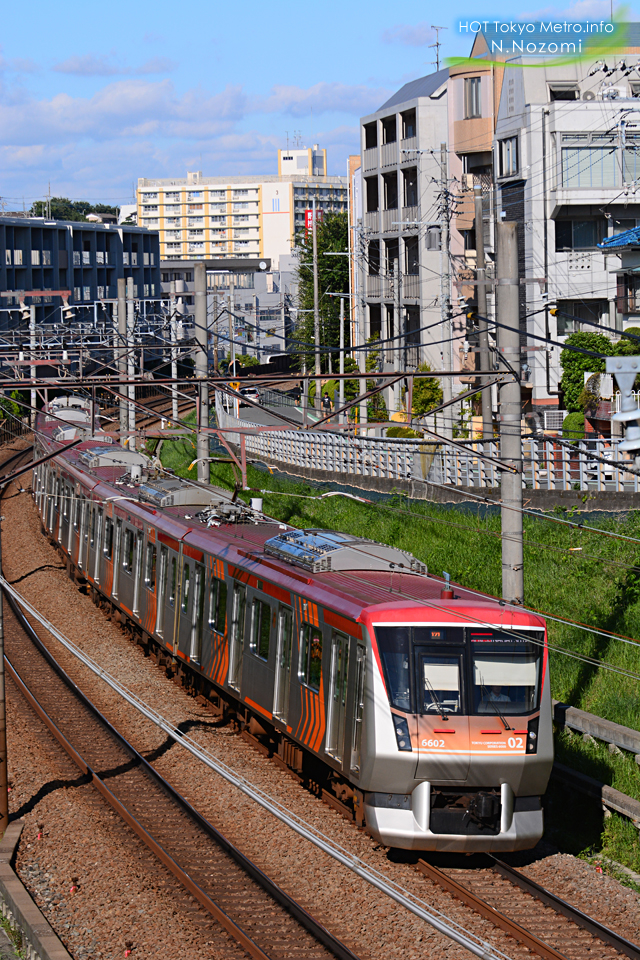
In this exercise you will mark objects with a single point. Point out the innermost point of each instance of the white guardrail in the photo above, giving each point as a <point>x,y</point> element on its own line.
<point>548,464</point>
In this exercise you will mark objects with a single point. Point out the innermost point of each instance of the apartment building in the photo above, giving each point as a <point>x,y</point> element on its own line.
<point>243,217</point>
<point>87,259</point>
<point>400,240</point>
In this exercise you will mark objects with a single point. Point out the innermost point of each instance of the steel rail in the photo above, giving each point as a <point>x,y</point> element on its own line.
<point>445,925</point>
<point>572,913</point>
<point>306,920</point>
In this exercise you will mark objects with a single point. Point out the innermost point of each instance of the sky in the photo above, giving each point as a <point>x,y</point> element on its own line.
<point>95,95</point>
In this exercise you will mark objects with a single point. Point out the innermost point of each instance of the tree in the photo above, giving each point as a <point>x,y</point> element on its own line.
<point>64,209</point>
<point>8,405</point>
<point>332,235</point>
<point>575,365</point>
<point>427,392</point>
<point>376,406</point>
<point>628,348</point>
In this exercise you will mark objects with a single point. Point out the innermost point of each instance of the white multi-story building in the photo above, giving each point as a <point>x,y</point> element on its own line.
<point>242,217</point>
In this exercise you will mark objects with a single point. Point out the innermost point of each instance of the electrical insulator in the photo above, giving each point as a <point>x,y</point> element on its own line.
<point>25,311</point>
<point>68,313</point>
<point>625,370</point>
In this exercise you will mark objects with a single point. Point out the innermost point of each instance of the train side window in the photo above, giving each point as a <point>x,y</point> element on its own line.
<point>162,589</point>
<point>57,500</point>
<point>108,538</point>
<point>78,504</point>
<point>173,584</point>
<point>94,514</point>
<point>127,550</point>
<point>217,605</point>
<point>185,588</point>
<point>150,569</point>
<point>310,668</point>
<point>66,496</point>
<point>260,629</point>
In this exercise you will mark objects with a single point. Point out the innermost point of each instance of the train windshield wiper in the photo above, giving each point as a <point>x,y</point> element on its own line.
<point>497,709</point>
<point>435,700</point>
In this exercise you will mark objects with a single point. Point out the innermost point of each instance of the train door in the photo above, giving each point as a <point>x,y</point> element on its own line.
<point>83,512</point>
<point>162,589</point>
<point>169,625</point>
<point>116,559</point>
<point>51,505</point>
<point>98,544</point>
<point>443,730</point>
<point>236,643</point>
<point>56,511</point>
<point>358,710</point>
<point>197,614</point>
<point>283,664</point>
<point>338,695</point>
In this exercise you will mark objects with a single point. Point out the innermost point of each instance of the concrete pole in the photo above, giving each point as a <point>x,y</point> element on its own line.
<point>32,344</point>
<point>396,346</point>
<point>316,306</point>
<point>174,350</point>
<point>232,319</point>
<point>202,370</point>
<point>483,336</point>
<point>120,353</point>
<point>131,363</point>
<point>341,388</point>
<point>360,323</point>
<point>510,413</point>
<point>445,294</point>
<point>256,314</point>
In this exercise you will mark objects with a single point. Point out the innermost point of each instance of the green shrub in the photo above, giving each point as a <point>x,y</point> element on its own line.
<point>574,365</point>
<point>405,432</point>
<point>573,426</point>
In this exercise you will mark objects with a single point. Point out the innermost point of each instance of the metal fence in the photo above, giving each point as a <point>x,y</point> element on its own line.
<point>548,464</point>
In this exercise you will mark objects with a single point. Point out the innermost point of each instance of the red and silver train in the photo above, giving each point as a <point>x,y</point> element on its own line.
<point>426,711</point>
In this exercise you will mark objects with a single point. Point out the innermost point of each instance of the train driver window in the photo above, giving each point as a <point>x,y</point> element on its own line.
<point>108,538</point>
<point>505,683</point>
<point>150,567</point>
<point>185,588</point>
<point>395,650</point>
<point>174,575</point>
<point>310,668</point>
<point>217,605</point>
<point>440,684</point>
<point>260,629</point>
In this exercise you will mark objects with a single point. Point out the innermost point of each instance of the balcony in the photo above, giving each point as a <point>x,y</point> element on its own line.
<point>409,218</point>
<point>411,143</point>
<point>371,221</point>
<point>390,220</point>
<point>370,159</point>
<point>411,285</point>
<point>374,286</point>
<point>388,154</point>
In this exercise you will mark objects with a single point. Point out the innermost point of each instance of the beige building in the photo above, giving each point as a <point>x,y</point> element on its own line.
<point>241,217</point>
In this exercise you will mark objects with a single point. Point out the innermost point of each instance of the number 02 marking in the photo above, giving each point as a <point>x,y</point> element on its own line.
<point>515,743</point>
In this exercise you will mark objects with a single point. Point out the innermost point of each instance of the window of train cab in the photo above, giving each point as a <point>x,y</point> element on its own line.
<point>505,668</point>
<point>424,667</point>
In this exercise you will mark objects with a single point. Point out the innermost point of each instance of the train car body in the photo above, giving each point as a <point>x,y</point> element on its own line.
<point>426,711</point>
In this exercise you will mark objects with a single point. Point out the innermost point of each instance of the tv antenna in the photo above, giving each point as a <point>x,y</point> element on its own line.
<point>437,45</point>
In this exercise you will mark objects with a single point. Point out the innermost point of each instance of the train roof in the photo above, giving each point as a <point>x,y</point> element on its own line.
<point>360,578</point>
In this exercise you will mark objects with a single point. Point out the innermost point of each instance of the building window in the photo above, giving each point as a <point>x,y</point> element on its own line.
<point>390,181</point>
<point>196,208</point>
<point>389,127</point>
<point>35,258</point>
<point>410,178</point>
<point>579,234</point>
<point>508,157</point>
<point>408,124</point>
<point>86,293</point>
<point>589,167</point>
<point>171,197</point>
<point>195,195</point>
<point>374,258</point>
<point>564,91</point>
<point>149,196</point>
<point>411,256</point>
<point>370,135</point>
<point>472,105</point>
<point>571,312</point>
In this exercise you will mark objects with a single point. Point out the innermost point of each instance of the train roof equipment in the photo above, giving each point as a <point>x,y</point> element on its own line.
<point>323,551</point>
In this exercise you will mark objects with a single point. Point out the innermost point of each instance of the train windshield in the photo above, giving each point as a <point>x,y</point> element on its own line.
<point>465,671</point>
<point>505,671</point>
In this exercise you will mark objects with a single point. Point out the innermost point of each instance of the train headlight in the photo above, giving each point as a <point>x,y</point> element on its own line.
<point>532,735</point>
<point>401,728</point>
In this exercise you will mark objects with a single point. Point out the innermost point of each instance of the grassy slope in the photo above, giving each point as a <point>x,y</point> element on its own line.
<point>580,585</point>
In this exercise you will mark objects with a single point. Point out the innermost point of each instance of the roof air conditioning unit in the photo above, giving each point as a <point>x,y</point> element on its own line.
<point>588,95</point>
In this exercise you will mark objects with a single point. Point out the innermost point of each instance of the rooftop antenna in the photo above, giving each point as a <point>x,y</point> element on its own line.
<point>287,133</point>
<point>437,45</point>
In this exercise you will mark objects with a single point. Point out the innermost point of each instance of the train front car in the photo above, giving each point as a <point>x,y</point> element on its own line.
<point>459,744</point>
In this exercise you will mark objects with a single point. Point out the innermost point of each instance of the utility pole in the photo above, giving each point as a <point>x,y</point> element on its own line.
<point>341,388</point>
<point>202,370</point>
<point>316,306</point>
<point>174,351</point>
<point>122,360</point>
<point>396,352</point>
<point>131,360</point>
<point>483,335</point>
<point>32,344</point>
<point>445,291</point>
<point>232,320</point>
<point>507,289</point>
<point>360,338</point>
<point>257,317</point>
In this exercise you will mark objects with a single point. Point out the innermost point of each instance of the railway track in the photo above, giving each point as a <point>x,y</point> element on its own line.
<point>260,919</point>
<point>544,924</point>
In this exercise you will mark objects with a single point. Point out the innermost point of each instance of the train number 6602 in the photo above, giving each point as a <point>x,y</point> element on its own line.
<point>433,743</point>
<point>515,743</point>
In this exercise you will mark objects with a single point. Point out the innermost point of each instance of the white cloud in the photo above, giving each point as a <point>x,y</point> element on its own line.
<point>410,35</point>
<point>322,98</point>
<point>581,10</point>
<point>108,65</point>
